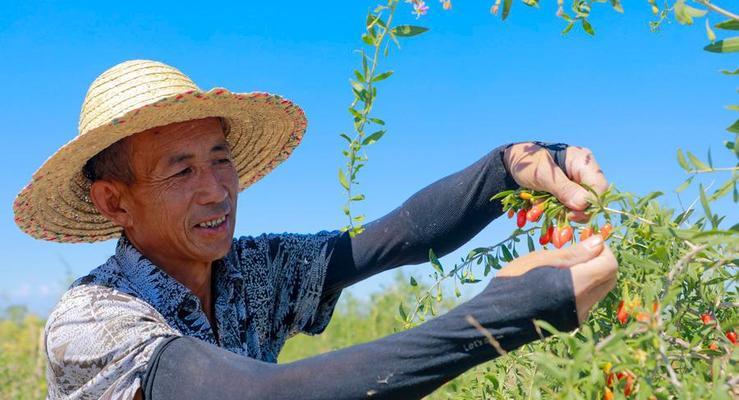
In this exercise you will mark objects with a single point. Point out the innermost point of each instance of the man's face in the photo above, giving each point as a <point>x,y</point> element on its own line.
<point>182,203</point>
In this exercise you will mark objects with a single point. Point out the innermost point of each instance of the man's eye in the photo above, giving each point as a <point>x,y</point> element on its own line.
<point>224,161</point>
<point>184,172</point>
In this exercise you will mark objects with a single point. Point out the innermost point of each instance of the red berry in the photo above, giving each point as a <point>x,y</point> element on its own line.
<point>586,232</point>
<point>521,218</point>
<point>706,318</point>
<point>621,314</point>
<point>608,394</point>
<point>511,213</point>
<point>535,212</point>
<point>713,346</point>
<point>546,237</point>
<point>731,335</point>
<point>605,231</point>
<point>565,234</point>
<point>556,238</point>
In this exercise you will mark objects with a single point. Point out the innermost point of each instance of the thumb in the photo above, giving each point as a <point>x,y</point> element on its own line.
<point>579,253</point>
<point>572,195</point>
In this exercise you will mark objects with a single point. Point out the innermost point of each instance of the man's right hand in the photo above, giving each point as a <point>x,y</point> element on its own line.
<point>591,262</point>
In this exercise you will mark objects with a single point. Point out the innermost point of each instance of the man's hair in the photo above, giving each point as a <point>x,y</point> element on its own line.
<point>113,163</point>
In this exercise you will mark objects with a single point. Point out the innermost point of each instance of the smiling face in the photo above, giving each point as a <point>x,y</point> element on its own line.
<point>181,207</point>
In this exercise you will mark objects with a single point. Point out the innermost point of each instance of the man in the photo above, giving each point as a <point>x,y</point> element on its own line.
<point>183,310</point>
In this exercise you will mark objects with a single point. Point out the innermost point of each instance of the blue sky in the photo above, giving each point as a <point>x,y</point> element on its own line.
<point>468,85</point>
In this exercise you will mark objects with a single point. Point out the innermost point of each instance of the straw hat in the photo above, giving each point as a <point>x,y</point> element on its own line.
<point>132,97</point>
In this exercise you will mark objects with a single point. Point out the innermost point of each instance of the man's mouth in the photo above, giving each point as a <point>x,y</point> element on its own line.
<point>213,223</point>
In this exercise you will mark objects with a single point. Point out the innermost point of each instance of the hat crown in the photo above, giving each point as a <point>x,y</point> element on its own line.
<point>128,86</point>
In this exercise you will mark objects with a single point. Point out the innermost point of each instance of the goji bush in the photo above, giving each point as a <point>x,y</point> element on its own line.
<point>668,330</point>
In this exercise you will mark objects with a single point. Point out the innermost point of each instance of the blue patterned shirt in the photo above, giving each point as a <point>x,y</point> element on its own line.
<point>103,331</point>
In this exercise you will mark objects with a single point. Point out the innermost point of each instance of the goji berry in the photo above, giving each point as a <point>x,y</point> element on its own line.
<point>731,335</point>
<point>525,195</point>
<point>605,231</point>
<point>565,234</point>
<point>713,346</point>
<point>621,314</point>
<point>556,238</point>
<point>706,318</point>
<point>521,219</point>
<point>546,237</point>
<point>511,213</point>
<point>535,212</point>
<point>586,232</point>
<point>607,394</point>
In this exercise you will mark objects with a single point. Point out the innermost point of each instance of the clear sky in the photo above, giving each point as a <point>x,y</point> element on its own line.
<point>470,84</point>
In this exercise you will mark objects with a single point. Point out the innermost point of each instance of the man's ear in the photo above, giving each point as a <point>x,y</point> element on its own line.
<point>106,196</point>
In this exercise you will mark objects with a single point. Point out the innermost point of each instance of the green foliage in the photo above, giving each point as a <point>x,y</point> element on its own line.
<point>22,361</point>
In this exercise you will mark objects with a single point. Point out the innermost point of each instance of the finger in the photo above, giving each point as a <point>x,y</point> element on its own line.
<point>569,193</point>
<point>599,270</point>
<point>584,169</point>
<point>567,257</point>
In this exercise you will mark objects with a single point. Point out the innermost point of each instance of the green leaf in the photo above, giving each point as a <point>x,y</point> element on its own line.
<point>731,24</point>
<point>685,13</point>
<point>507,256</point>
<point>408,30</point>
<point>506,9</point>
<point>358,197</point>
<point>681,160</point>
<point>368,39</point>
<point>382,76</point>
<point>345,136</point>
<point>728,45</point>
<point>568,28</point>
<point>401,311</point>
<point>530,243</point>
<point>413,281</point>
<point>373,138</point>
<point>342,179</point>
<point>435,262</point>
<point>377,121</point>
<point>704,203</point>
<point>587,27</point>
<point>698,163</point>
<point>709,32</point>
<point>734,127</point>
<point>685,184</point>
<point>727,72</point>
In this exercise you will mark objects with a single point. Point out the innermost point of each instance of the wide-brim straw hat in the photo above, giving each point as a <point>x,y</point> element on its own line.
<point>135,96</point>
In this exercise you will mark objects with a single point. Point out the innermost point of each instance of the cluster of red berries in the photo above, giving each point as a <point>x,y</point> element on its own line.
<point>615,378</point>
<point>531,208</point>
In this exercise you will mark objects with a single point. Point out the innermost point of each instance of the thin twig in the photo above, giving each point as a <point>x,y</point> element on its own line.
<point>718,9</point>
<point>487,335</point>
<point>679,266</point>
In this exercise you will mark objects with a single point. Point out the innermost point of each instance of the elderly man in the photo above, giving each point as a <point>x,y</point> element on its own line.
<point>184,311</point>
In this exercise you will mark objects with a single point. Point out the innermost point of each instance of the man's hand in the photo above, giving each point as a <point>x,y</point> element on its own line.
<point>591,263</point>
<point>532,167</point>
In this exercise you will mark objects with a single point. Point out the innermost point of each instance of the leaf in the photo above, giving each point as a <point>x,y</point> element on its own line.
<point>616,4</point>
<point>704,203</point>
<point>728,45</point>
<point>408,30</point>
<point>382,76</point>
<point>401,311</point>
<point>413,281</point>
<point>568,28</point>
<point>685,13</point>
<point>342,179</point>
<point>727,72</point>
<point>734,127</point>
<point>732,25</point>
<point>358,197</point>
<point>698,163</point>
<point>377,121</point>
<point>435,262</point>
<point>709,32</point>
<point>507,256</point>
<point>681,160</point>
<point>685,184</point>
<point>506,9</point>
<point>587,27</point>
<point>530,243</point>
<point>373,138</point>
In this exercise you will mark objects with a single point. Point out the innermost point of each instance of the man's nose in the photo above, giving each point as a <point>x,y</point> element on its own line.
<point>211,189</point>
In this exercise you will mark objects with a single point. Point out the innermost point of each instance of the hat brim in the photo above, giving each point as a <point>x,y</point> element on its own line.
<point>55,205</point>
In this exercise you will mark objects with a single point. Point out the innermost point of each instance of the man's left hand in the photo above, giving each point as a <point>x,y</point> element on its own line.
<point>534,168</point>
